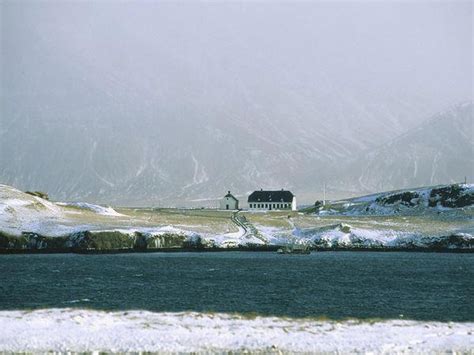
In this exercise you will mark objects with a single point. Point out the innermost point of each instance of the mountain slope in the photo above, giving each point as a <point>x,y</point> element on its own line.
<point>113,167</point>
<point>439,151</point>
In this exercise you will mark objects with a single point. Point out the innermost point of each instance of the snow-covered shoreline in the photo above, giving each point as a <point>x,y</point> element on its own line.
<point>88,330</point>
<point>30,223</point>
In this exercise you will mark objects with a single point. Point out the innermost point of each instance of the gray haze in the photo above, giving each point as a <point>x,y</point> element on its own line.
<point>147,103</point>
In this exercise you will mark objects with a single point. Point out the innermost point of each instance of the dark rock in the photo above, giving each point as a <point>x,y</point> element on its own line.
<point>453,241</point>
<point>140,241</point>
<point>453,196</point>
<point>194,243</point>
<point>41,194</point>
<point>166,241</point>
<point>8,241</point>
<point>102,240</point>
<point>405,198</point>
<point>318,204</point>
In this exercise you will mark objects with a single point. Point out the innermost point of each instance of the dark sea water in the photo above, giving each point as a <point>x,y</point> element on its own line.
<point>424,286</point>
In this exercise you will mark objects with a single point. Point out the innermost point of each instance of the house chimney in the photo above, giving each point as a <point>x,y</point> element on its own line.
<point>228,192</point>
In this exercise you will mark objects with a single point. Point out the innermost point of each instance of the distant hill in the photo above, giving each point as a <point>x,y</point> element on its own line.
<point>441,150</point>
<point>126,166</point>
<point>417,201</point>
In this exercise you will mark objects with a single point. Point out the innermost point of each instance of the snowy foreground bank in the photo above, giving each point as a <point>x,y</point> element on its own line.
<point>87,330</point>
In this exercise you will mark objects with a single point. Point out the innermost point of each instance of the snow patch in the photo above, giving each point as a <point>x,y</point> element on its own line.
<point>154,231</point>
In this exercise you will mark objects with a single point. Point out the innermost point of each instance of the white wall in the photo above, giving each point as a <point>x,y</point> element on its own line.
<point>293,204</point>
<point>233,204</point>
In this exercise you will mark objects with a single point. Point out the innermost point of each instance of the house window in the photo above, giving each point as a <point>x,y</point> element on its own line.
<point>266,205</point>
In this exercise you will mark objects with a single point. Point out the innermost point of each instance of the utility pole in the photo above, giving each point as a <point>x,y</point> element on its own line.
<point>324,194</point>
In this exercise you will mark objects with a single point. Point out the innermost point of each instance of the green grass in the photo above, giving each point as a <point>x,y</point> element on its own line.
<point>215,222</point>
<point>200,221</point>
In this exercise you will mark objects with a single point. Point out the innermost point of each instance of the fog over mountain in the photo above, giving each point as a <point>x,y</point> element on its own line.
<point>172,104</point>
<point>440,149</point>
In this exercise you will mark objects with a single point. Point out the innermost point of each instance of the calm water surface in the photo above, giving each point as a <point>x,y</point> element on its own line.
<point>427,286</point>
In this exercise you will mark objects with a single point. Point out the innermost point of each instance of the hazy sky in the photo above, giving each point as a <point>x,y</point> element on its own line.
<point>291,82</point>
<point>406,48</point>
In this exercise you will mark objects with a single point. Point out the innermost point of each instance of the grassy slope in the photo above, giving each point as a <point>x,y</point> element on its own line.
<point>200,221</point>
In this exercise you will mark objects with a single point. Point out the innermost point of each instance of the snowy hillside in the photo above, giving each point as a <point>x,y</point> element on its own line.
<point>393,220</point>
<point>21,212</point>
<point>438,218</point>
<point>419,201</point>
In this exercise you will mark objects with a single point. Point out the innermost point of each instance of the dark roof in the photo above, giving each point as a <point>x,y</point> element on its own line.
<point>271,196</point>
<point>230,195</point>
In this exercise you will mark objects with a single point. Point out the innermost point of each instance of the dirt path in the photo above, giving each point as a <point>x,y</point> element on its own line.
<point>249,228</point>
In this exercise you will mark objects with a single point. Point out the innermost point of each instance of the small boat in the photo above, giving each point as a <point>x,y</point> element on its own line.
<point>294,249</point>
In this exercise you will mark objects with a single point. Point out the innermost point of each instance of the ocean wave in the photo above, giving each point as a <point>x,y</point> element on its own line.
<point>81,330</point>
<point>78,301</point>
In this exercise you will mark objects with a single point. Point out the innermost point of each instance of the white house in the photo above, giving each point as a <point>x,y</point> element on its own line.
<point>229,202</point>
<point>272,200</point>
